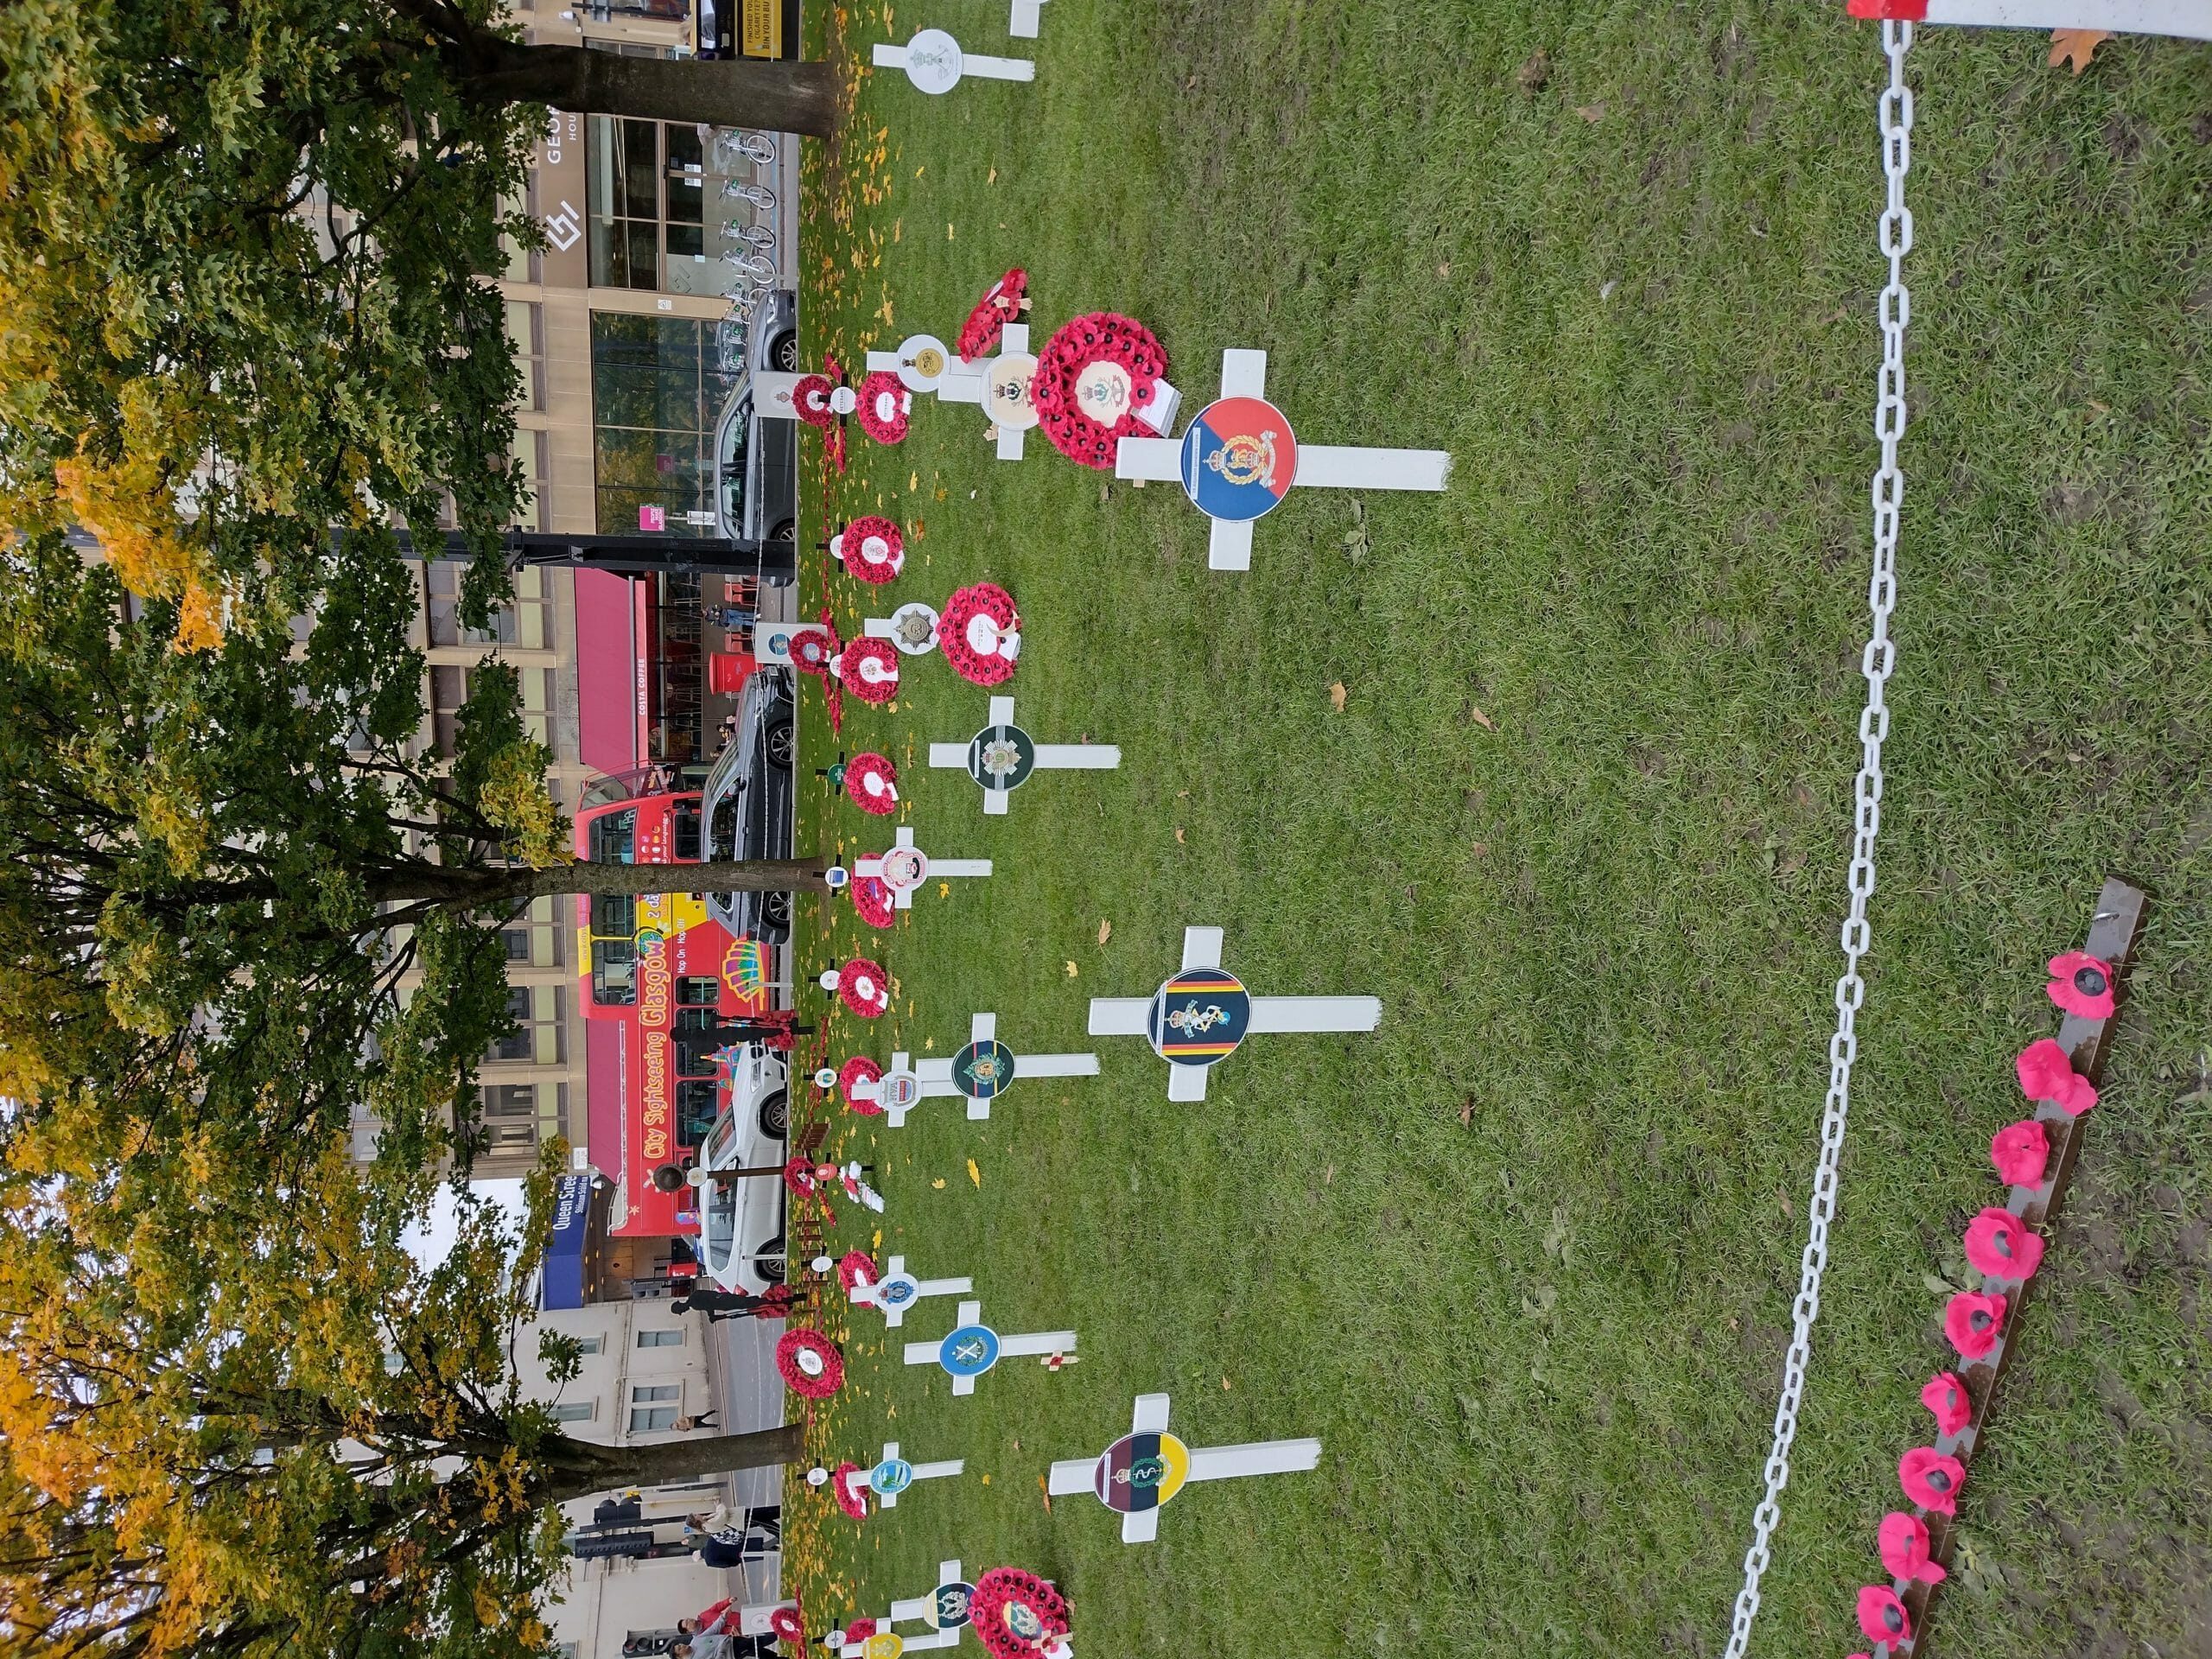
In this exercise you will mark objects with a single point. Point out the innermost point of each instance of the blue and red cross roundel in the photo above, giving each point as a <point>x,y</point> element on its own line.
<point>1200,1016</point>
<point>1239,459</point>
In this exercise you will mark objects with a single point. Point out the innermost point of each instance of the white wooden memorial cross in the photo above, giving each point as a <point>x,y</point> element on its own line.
<point>983,1072</point>
<point>1000,385</point>
<point>1238,459</point>
<point>898,1290</point>
<point>935,63</point>
<point>907,867</point>
<point>1137,1475</point>
<point>1026,14</point>
<point>2189,19</point>
<point>972,1348</point>
<point>945,1610</point>
<point>894,1474</point>
<point>1199,1017</point>
<point>1002,757</point>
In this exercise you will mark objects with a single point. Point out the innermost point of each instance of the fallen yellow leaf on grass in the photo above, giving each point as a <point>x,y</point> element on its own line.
<point>1047,1492</point>
<point>1179,832</point>
<point>1481,719</point>
<point>1337,697</point>
<point>1105,931</point>
<point>987,1480</point>
<point>974,1175</point>
<point>2076,46</point>
<point>948,233</point>
<point>1071,971</point>
<point>913,480</point>
<point>939,1184</point>
<point>944,889</point>
<point>1224,1385</point>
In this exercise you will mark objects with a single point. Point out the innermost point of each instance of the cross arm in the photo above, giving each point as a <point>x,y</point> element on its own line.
<point>1071,1476</point>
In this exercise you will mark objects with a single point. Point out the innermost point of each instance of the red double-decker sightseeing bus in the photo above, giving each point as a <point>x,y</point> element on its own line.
<point>659,973</point>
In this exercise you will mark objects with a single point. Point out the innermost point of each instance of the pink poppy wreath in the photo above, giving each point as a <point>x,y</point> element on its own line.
<point>872,900</point>
<point>860,1069</point>
<point>1092,378</point>
<point>871,549</point>
<point>810,396</point>
<point>841,1487</point>
<point>855,1268</point>
<point>1017,1615</point>
<point>979,630</point>
<point>1008,299</point>
<point>872,782</point>
<point>810,1364</point>
<point>869,670</point>
<point>884,406</point>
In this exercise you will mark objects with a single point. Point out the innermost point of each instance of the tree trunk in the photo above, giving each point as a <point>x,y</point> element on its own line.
<point>581,1469</point>
<point>772,96</point>
<point>484,889</point>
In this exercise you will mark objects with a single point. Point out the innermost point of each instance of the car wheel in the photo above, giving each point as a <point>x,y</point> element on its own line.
<point>786,529</point>
<point>769,1262</point>
<point>776,910</point>
<point>776,1116</point>
<point>784,350</point>
<point>782,746</point>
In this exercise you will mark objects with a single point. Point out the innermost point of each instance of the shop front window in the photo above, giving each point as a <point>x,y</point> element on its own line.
<point>656,394</point>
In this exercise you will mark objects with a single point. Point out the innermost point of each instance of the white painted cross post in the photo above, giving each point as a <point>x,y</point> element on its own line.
<point>983,1072</point>
<point>1238,459</point>
<point>898,1290</point>
<point>894,1474</point>
<point>1200,1016</point>
<point>972,1348</point>
<point>912,628</point>
<point>1026,14</point>
<point>907,867</point>
<point>1000,385</point>
<point>935,63</point>
<point>1001,756</point>
<point>1137,1475</point>
<point>945,1610</point>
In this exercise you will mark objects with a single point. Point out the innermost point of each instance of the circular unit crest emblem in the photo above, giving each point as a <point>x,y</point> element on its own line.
<point>897,1290</point>
<point>1239,459</point>
<point>970,1350</point>
<point>1002,757</point>
<point>983,1070</point>
<point>1200,1016</point>
<point>884,1644</point>
<point>900,1089</point>
<point>951,1605</point>
<point>892,1476</point>
<point>1141,1471</point>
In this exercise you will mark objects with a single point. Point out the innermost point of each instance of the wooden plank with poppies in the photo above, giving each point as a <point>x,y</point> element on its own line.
<point>2037,1157</point>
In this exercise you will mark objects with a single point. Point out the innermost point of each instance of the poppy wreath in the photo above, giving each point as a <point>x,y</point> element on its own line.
<point>1016,1614</point>
<point>1001,305</point>
<point>849,1501</point>
<point>860,1069</point>
<point>864,987</point>
<point>884,406</point>
<point>799,1178</point>
<point>872,782</point>
<point>810,397</point>
<point>859,1631</point>
<point>1101,337</point>
<point>785,1626</point>
<point>869,670</point>
<point>983,611</point>
<point>817,1380</point>
<point>855,1268</point>
<point>872,549</point>
<point>872,900</point>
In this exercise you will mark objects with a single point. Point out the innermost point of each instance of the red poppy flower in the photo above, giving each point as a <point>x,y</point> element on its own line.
<point>871,783</point>
<point>1881,1615</point>
<point>1017,1615</point>
<point>859,1631</point>
<point>1973,1321</point>
<point>810,396</point>
<point>1998,1247</point>
<point>872,900</point>
<point>2020,1152</point>
<point>2082,983</point>
<point>1931,1480</point>
<point>1903,1542</point>
<point>809,1364</point>
<point>1946,1397</point>
<point>785,1626</point>
<point>1005,301</point>
<point>864,987</point>
<point>852,1503</point>
<point>884,406</point>
<point>798,1178</point>
<point>979,630</point>
<point>2045,1073</point>
<point>855,1268</point>
<point>860,1069</point>
<point>1092,378</point>
<point>869,670</point>
<point>871,549</point>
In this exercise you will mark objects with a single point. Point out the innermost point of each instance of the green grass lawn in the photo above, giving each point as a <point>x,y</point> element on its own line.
<point>1523,1258</point>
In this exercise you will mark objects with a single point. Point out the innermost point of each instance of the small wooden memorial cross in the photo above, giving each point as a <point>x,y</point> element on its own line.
<point>1199,1017</point>
<point>974,1348</point>
<point>1002,757</point>
<point>898,1290</point>
<point>894,1474</point>
<point>907,867</point>
<point>1239,458</point>
<point>945,1610</point>
<point>935,63</point>
<point>1138,1475</point>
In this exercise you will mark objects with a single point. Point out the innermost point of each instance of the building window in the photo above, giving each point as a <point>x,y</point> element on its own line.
<point>536,1011</point>
<point>647,1414</point>
<point>573,1411</point>
<point>656,394</point>
<point>535,937</point>
<point>526,333</point>
<point>591,1345</point>
<point>648,199</point>
<point>660,1338</point>
<point>450,691</point>
<point>526,621</point>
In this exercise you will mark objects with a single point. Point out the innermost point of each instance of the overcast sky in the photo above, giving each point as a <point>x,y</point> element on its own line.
<point>431,1243</point>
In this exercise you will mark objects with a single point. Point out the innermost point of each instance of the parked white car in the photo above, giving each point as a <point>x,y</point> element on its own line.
<point>741,1222</point>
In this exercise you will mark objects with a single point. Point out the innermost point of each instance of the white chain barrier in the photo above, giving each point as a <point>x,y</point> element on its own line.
<point>1880,656</point>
